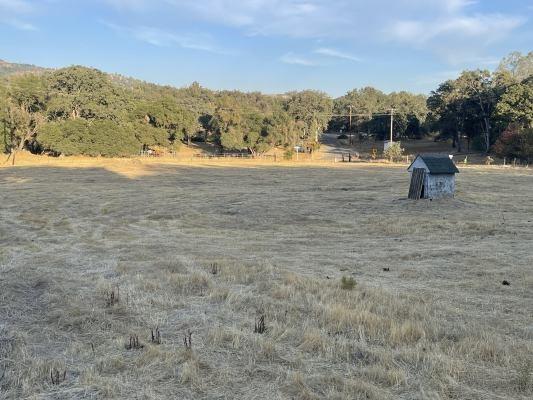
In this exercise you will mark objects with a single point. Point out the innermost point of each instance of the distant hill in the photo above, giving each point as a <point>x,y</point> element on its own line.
<point>7,68</point>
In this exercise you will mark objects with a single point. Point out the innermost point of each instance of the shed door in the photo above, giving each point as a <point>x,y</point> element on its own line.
<point>417,183</point>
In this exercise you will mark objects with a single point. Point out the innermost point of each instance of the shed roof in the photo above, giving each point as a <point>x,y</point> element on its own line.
<point>438,164</point>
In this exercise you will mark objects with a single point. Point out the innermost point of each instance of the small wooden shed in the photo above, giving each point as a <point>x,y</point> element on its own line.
<point>432,177</point>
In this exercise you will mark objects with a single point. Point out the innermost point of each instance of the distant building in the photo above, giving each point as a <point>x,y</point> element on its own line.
<point>432,177</point>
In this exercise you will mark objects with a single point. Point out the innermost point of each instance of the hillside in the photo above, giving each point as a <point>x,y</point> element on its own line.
<point>7,68</point>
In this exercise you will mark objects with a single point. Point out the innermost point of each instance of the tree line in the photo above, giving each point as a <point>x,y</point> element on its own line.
<point>491,111</point>
<point>79,110</point>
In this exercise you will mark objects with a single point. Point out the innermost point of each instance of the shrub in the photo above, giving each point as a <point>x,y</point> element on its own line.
<point>348,283</point>
<point>515,142</point>
<point>394,152</point>
<point>288,154</point>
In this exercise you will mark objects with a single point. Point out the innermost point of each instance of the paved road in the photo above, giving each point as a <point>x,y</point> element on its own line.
<point>331,147</point>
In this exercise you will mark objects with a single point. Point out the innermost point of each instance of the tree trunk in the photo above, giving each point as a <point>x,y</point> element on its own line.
<point>21,144</point>
<point>457,141</point>
<point>486,130</point>
<point>487,134</point>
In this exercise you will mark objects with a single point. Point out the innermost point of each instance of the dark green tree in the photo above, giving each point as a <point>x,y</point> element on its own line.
<point>92,138</point>
<point>80,92</point>
<point>516,104</point>
<point>313,109</point>
<point>26,106</point>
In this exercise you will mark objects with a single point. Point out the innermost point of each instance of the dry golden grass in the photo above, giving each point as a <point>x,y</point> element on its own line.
<point>209,249</point>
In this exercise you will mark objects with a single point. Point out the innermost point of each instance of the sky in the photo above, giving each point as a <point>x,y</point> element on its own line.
<point>272,46</point>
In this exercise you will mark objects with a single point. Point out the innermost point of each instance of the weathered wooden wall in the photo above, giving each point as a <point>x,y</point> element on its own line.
<point>439,186</point>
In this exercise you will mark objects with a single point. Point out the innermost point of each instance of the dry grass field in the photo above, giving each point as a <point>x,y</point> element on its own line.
<point>364,295</point>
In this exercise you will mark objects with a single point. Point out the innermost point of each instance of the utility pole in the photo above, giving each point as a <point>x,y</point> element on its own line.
<point>391,123</point>
<point>351,140</point>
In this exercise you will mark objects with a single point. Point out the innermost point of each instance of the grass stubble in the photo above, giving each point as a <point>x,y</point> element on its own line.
<point>357,293</point>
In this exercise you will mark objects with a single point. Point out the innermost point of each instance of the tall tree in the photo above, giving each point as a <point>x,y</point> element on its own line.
<point>478,94</point>
<point>5,129</point>
<point>516,104</point>
<point>313,109</point>
<point>445,108</point>
<point>27,96</point>
<point>519,66</point>
<point>80,92</point>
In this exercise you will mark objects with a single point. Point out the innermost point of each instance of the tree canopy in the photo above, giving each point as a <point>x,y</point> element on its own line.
<point>481,105</point>
<point>79,110</point>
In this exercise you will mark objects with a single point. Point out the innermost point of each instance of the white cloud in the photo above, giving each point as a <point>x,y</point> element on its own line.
<point>136,5</point>
<point>324,51</point>
<point>160,38</point>
<point>291,58</point>
<point>309,18</point>
<point>438,26</point>
<point>456,5</point>
<point>21,25</point>
<point>11,12</point>
<point>486,27</point>
<point>434,79</point>
<point>458,39</point>
<point>15,6</point>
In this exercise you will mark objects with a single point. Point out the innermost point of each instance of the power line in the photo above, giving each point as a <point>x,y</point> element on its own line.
<point>360,115</point>
<point>351,114</point>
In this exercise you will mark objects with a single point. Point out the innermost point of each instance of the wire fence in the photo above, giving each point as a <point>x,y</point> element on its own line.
<point>341,157</point>
<point>173,154</point>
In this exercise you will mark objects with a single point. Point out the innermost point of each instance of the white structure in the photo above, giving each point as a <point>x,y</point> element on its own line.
<point>438,179</point>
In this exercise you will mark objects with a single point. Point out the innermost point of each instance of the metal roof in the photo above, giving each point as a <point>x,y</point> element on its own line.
<point>438,164</point>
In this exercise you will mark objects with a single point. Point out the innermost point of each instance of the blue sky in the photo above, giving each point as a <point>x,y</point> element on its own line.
<point>270,45</point>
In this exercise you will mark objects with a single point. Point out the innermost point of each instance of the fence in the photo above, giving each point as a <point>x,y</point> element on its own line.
<point>356,157</point>
<point>238,155</point>
<point>173,154</point>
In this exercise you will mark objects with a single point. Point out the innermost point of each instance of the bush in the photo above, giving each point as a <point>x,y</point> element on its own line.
<point>288,154</point>
<point>394,152</point>
<point>515,142</point>
<point>348,283</point>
